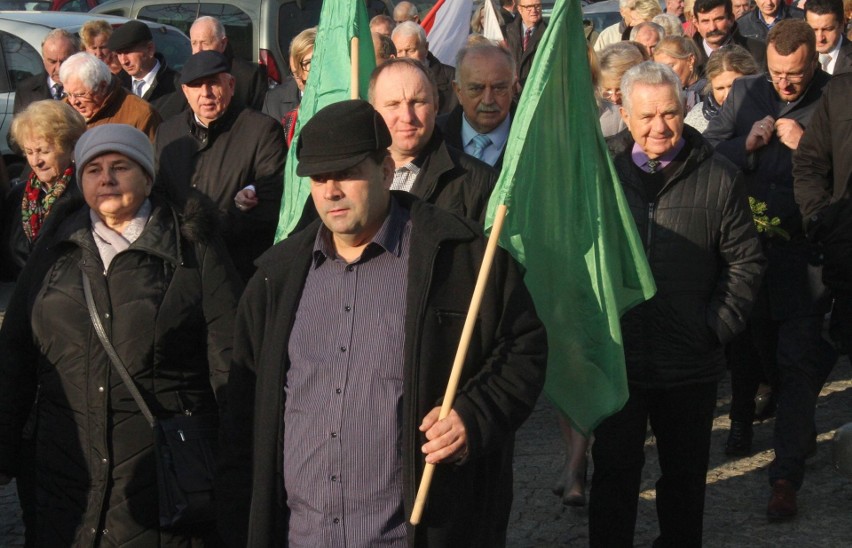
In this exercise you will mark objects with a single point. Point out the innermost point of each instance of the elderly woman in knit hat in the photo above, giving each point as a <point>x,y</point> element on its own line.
<point>165,292</point>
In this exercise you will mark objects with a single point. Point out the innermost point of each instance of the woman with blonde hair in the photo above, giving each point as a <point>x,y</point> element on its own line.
<point>723,67</point>
<point>95,35</point>
<point>615,60</point>
<point>682,55</point>
<point>282,102</point>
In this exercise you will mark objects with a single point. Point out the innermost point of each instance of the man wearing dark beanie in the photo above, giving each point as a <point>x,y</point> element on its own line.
<point>344,342</point>
<point>145,74</point>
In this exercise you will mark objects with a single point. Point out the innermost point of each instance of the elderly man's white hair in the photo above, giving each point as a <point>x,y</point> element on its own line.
<point>405,10</point>
<point>669,22</point>
<point>218,27</point>
<point>649,73</point>
<point>410,28</point>
<point>634,32</point>
<point>91,71</point>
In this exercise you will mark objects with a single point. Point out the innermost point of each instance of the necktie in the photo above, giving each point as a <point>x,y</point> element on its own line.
<point>527,36</point>
<point>58,91</point>
<point>653,165</point>
<point>480,143</point>
<point>137,87</point>
<point>824,60</point>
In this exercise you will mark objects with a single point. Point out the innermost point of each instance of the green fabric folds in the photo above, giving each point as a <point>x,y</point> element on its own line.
<point>328,82</point>
<point>569,224</point>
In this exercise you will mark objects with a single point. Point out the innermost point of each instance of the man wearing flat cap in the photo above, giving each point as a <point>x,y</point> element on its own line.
<point>145,74</point>
<point>231,153</point>
<point>344,342</point>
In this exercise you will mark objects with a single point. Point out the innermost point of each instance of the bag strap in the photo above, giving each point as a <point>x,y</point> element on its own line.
<point>113,356</point>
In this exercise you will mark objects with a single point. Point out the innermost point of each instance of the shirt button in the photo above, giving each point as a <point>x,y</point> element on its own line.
<point>106,315</point>
<point>104,461</point>
<point>343,349</point>
<point>333,478</point>
<point>336,520</point>
<point>105,531</point>
<point>93,530</point>
<point>350,268</point>
<point>338,391</point>
<point>100,389</point>
<point>334,434</point>
<point>347,308</point>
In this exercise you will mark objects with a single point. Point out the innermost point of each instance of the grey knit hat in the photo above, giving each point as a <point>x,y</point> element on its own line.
<point>119,138</point>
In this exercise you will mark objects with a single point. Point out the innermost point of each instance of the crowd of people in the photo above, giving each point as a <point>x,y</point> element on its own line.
<point>141,239</point>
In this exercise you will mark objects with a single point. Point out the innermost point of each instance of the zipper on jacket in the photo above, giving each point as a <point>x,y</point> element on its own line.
<point>649,233</point>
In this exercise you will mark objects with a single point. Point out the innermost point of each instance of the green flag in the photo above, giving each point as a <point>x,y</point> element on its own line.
<point>569,224</point>
<point>328,82</point>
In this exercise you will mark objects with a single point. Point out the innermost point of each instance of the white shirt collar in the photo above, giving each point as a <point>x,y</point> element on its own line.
<point>835,53</point>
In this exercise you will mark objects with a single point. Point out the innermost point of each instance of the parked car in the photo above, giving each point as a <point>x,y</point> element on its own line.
<point>21,35</point>
<point>258,30</point>
<point>602,14</point>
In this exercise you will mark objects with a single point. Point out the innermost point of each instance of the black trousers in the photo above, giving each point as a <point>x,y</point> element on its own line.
<point>805,360</point>
<point>752,361</point>
<point>682,421</point>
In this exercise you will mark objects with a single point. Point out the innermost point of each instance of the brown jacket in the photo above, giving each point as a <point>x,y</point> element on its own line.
<point>122,107</point>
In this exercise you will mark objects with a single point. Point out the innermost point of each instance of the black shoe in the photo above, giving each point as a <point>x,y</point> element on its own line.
<point>739,439</point>
<point>764,406</point>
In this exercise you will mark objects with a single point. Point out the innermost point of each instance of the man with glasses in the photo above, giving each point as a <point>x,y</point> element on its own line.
<point>523,35</point>
<point>759,127</point>
<point>98,96</point>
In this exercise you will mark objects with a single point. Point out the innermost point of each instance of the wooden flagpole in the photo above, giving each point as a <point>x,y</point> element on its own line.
<point>353,66</point>
<point>461,353</point>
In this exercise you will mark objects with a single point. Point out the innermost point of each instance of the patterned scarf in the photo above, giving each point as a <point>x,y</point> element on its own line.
<point>35,207</point>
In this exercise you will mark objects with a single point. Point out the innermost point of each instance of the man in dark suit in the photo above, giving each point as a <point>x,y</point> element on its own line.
<point>828,21</point>
<point>403,92</point>
<point>57,46</point>
<point>208,33</point>
<point>409,38</point>
<point>756,23</point>
<point>147,74</point>
<point>716,26</point>
<point>485,83</point>
<point>523,35</point>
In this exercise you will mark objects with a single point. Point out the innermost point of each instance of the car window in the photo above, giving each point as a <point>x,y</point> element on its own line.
<point>75,5</point>
<point>238,25</point>
<point>293,19</point>
<point>173,45</point>
<point>22,60</point>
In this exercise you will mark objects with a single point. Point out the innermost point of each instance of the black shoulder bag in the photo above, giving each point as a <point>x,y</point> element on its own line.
<point>185,448</point>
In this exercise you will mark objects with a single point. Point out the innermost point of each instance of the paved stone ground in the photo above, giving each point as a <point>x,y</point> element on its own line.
<point>737,490</point>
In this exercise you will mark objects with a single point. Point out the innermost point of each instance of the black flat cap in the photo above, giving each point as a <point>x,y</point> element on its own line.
<point>340,136</point>
<point>203,63</point>
<point>128,35</point>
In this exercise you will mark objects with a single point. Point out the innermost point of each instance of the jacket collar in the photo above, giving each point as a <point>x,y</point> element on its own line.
<point>207,135</point>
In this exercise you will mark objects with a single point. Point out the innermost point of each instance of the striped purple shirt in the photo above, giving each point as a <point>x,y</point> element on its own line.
<point>343,412</point>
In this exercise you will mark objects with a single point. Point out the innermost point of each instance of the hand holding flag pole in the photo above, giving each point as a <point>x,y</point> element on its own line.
<point>461,354</point>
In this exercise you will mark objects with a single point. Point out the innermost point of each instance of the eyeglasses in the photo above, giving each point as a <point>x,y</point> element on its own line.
<point>610,94</point>
<point>306,64</point>
<point>530,7</point>
<point>85,96</point>
<point>792,78</point>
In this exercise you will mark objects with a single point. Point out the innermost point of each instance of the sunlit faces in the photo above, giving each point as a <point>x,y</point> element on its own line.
<point>768,8</point>
<point>530,11</point>
<point>681,67</point>
<point>405,98</point>
<point>84,100</point>
<point>202,37</point>
<point>98,48</point>
<point>54,52</point>
<point>741,7</point>
<point>47,161</point>
<point>655,119</point>
<point>722,83</point>
<point>353,203</point>
<point>610,88</point>
<point>138,60</point>
<point>714,26</point>
<point>485,89</point>
<point>827,28</point>
<point>210,96</point>
<point>410,46</point>
<point>790,74</point>
<point>114,187</point>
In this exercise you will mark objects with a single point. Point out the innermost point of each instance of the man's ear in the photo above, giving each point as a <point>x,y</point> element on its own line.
<point>624,116</point>
<point>388,168</point>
